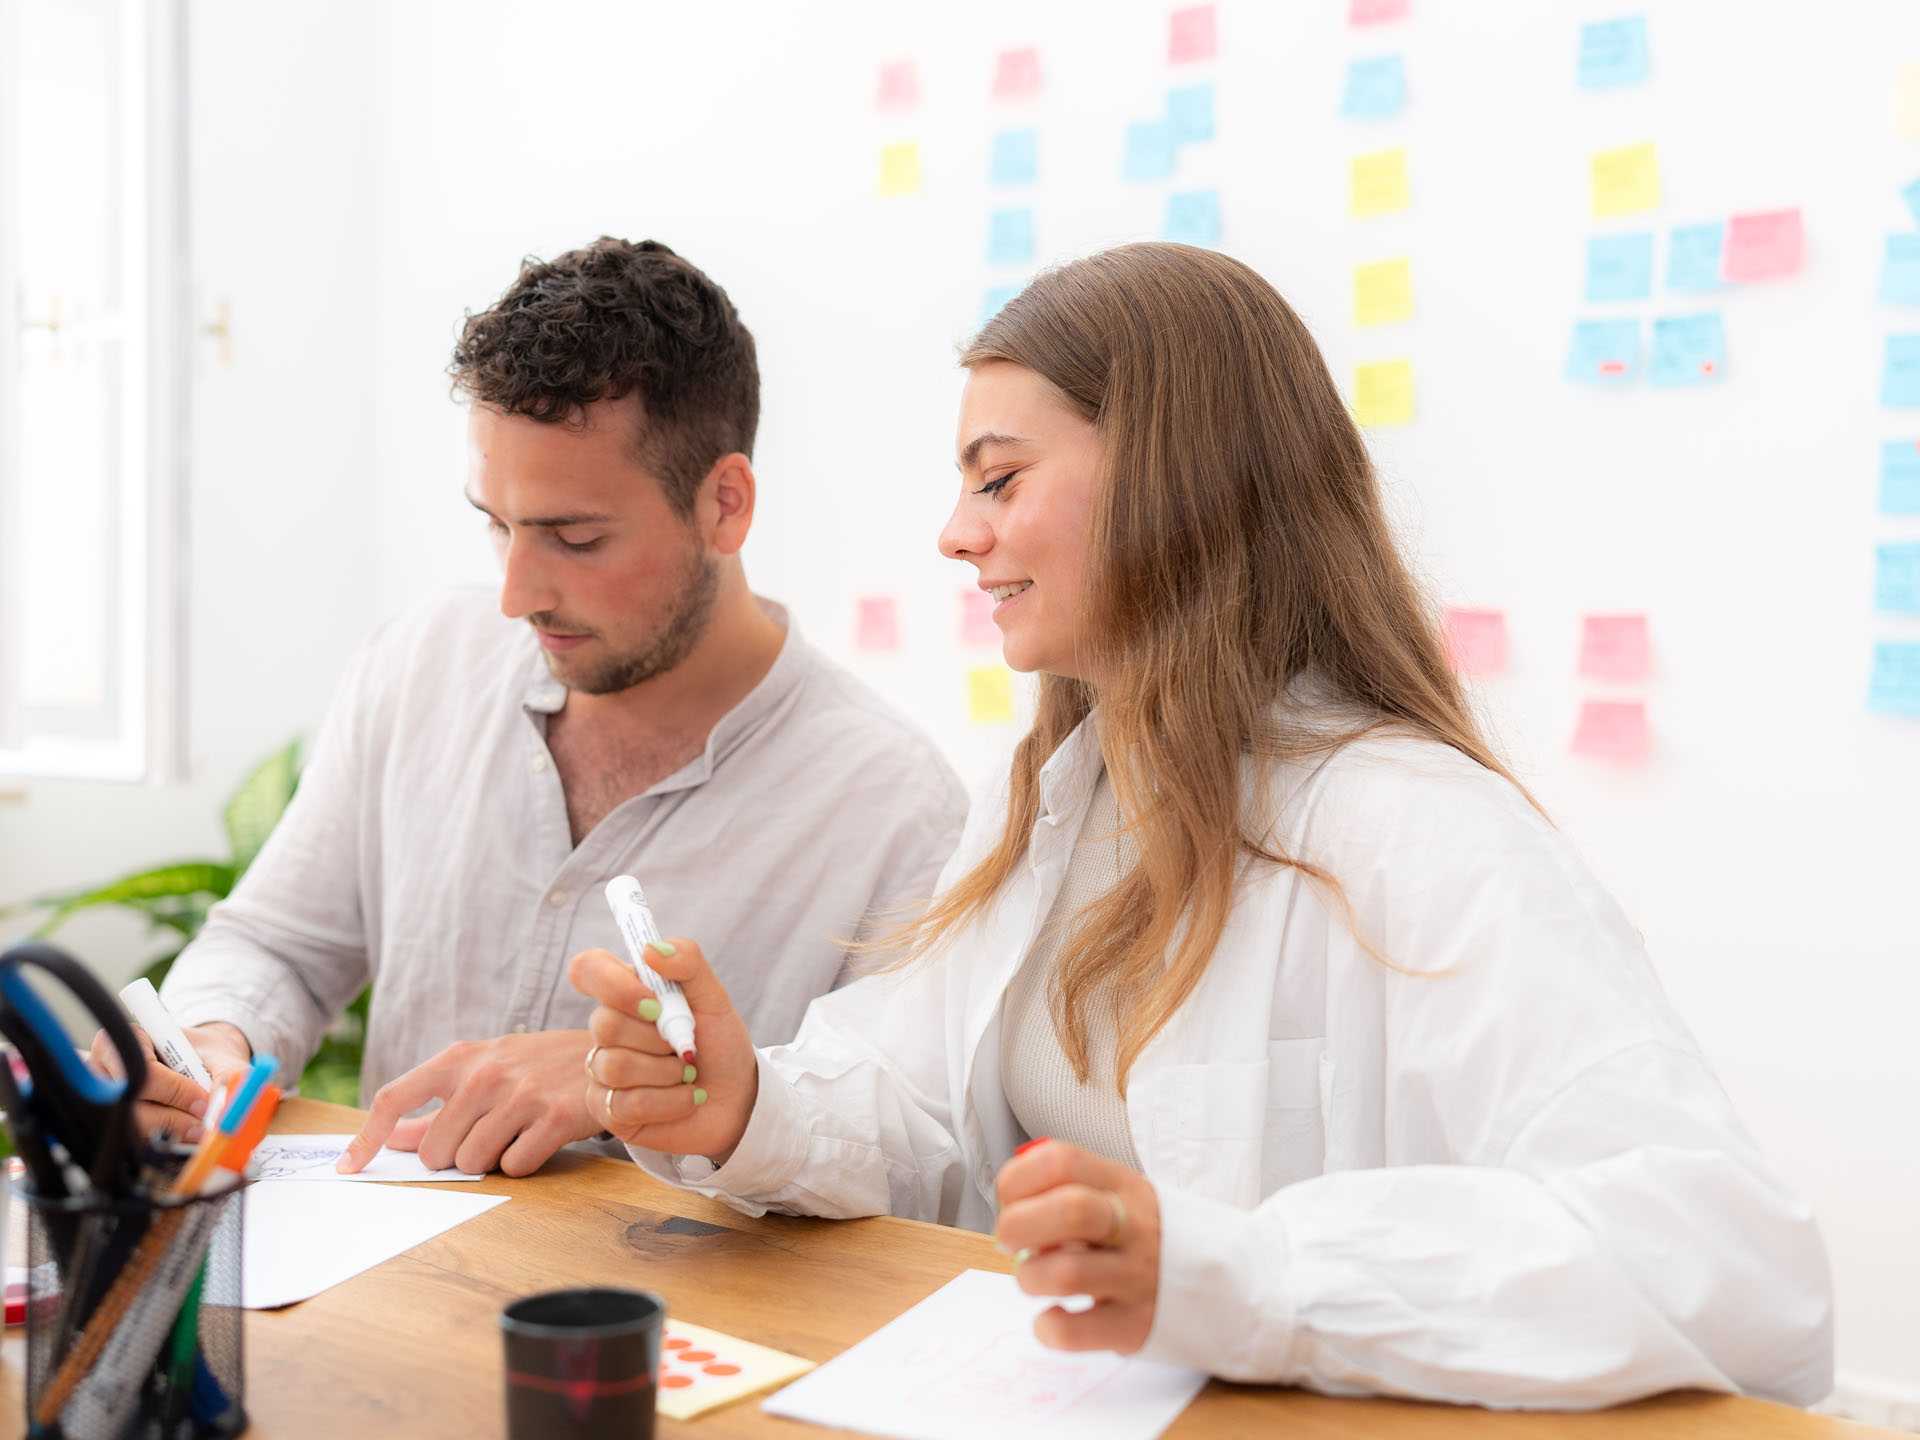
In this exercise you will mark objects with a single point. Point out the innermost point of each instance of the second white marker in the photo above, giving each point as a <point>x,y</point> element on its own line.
<point>629,905</point>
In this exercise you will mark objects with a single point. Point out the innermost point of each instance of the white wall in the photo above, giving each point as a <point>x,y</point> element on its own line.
<point>365,183</point>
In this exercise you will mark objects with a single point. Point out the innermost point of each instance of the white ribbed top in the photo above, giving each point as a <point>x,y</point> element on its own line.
<point>1034,1072</point>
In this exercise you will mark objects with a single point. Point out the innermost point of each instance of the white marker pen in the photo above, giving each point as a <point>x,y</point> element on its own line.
<point>630,913</point>
<point>170,1042</point>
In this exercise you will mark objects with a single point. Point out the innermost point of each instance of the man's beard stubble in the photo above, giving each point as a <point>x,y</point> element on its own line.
<point>668,646</point>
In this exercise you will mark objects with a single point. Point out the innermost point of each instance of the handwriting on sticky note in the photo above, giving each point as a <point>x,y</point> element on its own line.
<point>1900,271</point>
<point>1149,152</point>
<point>1613,53</point>
<point>1900,372</point>
<point>1688,350</point>
<point>1604,352</point>
<point>1190,113</point>
<point>1900,477</point>
<point>1619,267</point>
<point>1010,237</point>
<point>1894,688</point>
<point>1693,257</point>
<point>1192,35</point>
<point>1383,393</point>
<point>976,618</point>
<point>1016,158</point>
<point>1896,577</point>
<point>1375,12</point>
<point>1625,181</point>
<point>876,623</point>
<point>990,695</point>
<point>1766,245</point>
<point>1615,648</point>
<point>899,87</point>
<point>1377,183</point>
<point>900,168</point>
<point>1476,640</point>
<point>1383,292</point>
<point>1613,730</point>
<point>1376,88</point>
<point>1193,218</point>
<point>1016,75</point>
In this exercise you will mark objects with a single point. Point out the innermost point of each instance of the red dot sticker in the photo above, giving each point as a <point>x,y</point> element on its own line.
<point>696,1357</point>
<point>723,1369</point>
<point>676,1342</point>
<point>675,1382</point>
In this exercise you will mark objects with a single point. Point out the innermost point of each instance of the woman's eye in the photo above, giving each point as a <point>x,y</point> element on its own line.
<point>994,487</point>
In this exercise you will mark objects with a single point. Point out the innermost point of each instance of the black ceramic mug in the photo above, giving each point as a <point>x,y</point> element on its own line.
<point>583,1364</point>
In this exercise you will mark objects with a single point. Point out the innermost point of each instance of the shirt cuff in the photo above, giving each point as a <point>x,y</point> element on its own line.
<point>765,1162</point>
<point>1223,1306</point>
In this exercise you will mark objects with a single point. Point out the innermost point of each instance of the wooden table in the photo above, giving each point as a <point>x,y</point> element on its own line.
<point>412,1347</point>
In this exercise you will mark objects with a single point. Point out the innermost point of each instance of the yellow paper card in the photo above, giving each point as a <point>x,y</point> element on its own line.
<point>1383,292</point>
<point>1379,183</point>
<point>990,695</point>
<point>1906,102</point>
<point>900,168</point>
<point>701,1368</point>
<point>1626,181</point>
<point>1383,393</point>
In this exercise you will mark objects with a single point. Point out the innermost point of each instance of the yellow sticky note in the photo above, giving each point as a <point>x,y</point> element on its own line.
<point>990,695</point>
<point>900,168</point>
<point>1379,183</point>
<point>1383,292</point>
<point>1906,102</point>
<point>1626,181</point>
<point>1383,393</point>
<point>702,1368</point>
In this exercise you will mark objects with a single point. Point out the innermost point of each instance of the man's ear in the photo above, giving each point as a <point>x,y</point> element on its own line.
<point>724,506</point>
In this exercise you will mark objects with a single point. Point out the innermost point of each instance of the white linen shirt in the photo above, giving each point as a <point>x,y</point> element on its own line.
<point>1508,1178</point>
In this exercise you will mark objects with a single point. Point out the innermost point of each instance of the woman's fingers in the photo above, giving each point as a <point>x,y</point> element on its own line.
<point>622,1069</point>
<point>1081,1270</point>
<point>630,1110</point>
<point>626,1032</point>
<point>1063,1214</point>
<point>1118,1327</point>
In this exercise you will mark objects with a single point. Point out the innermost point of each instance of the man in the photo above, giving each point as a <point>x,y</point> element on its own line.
<point>639,711</point>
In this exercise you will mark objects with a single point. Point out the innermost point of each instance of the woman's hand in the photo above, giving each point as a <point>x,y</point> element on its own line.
<point>1081,1225</point>
<point>636,1086</point>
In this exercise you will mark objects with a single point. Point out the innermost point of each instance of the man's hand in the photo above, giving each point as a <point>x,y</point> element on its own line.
<point>510,1103</point>
<point>637,1086</point>
<point>171,1104</point>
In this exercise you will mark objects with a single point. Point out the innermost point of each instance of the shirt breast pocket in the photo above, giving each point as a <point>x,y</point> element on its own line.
<point>1294,1143</point>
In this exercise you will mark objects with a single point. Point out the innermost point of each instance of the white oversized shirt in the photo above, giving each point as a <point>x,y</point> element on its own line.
<point>1508,1178</point>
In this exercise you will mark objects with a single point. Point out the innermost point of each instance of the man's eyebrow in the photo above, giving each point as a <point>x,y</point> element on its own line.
<point>547,522</point>
<point>971,455</point>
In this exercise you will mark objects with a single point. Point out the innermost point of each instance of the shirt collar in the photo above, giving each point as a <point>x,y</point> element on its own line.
<point>1071,772</point>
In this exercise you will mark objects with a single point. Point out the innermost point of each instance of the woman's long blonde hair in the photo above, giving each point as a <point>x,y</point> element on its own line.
<point>1238,541</point>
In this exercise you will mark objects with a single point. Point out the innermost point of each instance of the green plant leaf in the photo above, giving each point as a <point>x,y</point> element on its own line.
<point>256,807</point>
<point>185,878</point>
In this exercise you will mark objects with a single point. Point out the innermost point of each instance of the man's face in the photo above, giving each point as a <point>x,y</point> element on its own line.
<point>616,585</point>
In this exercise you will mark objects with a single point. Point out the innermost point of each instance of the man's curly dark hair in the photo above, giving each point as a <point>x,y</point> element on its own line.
<point>615,319</point>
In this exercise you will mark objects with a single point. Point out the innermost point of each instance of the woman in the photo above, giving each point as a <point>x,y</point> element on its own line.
<point>1353,1076</point>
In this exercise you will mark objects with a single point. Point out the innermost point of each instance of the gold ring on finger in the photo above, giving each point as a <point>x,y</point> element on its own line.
<point>590,1054</point>
<point>1119,1218</point>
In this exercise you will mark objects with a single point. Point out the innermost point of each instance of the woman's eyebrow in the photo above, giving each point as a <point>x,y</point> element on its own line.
<point>971,455</point>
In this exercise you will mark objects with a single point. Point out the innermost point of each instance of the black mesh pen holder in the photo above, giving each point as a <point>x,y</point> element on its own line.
<point>133,1315</point>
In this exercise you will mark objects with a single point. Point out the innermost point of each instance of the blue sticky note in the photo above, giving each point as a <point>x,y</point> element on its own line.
<point>1895,686</point>
<point>1604,352</point>
<point>1193,217</point>
<point>1620,267</point>
<point>1900,477</point>
<point>1688,350</point>
<point>1613,53</point>
<point>1376,89</point>
<point>1190,113</point>
<point>1010,237</point>
<point>1900,271</point>
<point>1016,157</point>
<point>1911,194</point>
<point>1896,577</point>
<point>995,300</point>
<point>1900,378</point>
<point>1693,257</point>
<point>1149,150</point>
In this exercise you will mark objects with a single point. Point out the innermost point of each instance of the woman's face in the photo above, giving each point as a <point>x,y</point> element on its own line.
<point>1029,466</point>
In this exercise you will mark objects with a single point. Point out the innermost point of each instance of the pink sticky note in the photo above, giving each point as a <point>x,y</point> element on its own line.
<point>899,86</point>
<point>976,619</point>
<point>1764,246</point>
<point>1613,730</point>
<point>1477,640</point>
<point>1615,648</point>
<point>1192,36</point>
<point>876,624</point>
<point>1016,75</point>
<point>1376,12</point>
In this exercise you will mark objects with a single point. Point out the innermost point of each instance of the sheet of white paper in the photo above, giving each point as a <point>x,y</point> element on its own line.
<point>302,1239</point>
<point>964,1363</point>
<point>312,1157</point>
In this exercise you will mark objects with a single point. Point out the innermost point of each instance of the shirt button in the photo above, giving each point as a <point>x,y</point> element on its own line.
<point>557,899</point>
<point>537,764</point>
